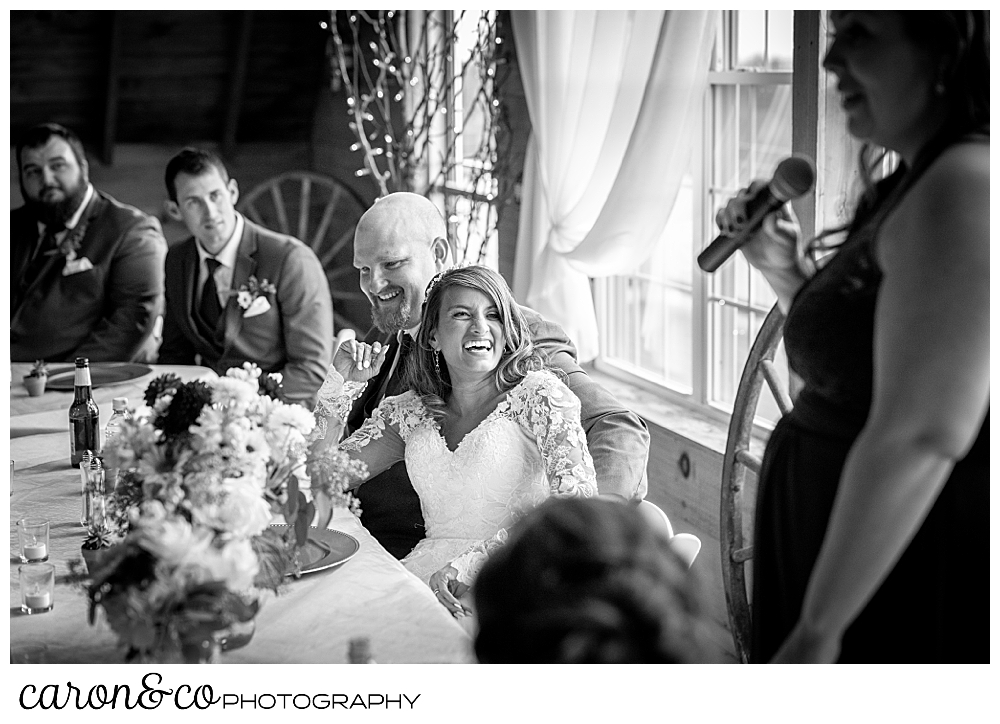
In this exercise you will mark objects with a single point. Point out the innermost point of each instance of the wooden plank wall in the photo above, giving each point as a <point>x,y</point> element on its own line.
<point>57,69</point>
<point>692,502</point>
<point>175,71</point>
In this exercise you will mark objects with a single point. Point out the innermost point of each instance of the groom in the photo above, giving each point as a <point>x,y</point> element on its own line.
<point>399,245</point>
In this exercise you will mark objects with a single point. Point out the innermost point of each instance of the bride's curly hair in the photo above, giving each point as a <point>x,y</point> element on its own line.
<point>519,356</point>
<point>585,580</point>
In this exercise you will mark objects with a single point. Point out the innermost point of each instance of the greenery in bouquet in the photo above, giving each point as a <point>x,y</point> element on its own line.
<point>203,474</point>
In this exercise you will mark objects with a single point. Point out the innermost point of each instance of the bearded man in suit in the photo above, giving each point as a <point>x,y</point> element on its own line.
<point>86,270</point>
<point>399,245</point>
<point>237,292</point>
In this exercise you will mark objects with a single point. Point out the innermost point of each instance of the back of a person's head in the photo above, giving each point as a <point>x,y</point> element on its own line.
<point>588,581</point>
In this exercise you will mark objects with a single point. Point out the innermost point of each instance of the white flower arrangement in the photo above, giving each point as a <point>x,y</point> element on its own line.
<point>205,472</point>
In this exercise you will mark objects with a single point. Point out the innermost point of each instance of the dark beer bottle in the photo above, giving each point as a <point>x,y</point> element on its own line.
<point>84,417</point>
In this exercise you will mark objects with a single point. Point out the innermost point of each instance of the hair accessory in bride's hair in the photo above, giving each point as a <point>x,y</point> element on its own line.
<point>431,284</point>
<point>437,362</point>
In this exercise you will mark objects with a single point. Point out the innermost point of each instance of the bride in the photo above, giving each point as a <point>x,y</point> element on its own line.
<point>487,432</point>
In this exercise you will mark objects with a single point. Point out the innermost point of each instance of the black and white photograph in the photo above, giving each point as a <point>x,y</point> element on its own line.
<point>481,337</point>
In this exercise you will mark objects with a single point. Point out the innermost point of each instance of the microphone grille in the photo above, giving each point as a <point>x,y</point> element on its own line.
<point>793,177</point>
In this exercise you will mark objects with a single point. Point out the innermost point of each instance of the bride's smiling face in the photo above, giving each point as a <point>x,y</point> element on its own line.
<point>469,332</point>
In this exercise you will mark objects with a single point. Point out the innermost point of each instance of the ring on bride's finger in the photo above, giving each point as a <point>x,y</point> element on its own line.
<point>436,591</point>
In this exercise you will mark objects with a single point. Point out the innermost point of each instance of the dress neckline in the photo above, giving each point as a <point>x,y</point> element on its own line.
<point>501,406</point>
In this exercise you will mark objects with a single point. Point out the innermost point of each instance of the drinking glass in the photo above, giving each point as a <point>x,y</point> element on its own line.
<point>34,535</point>
<point>29,654</point>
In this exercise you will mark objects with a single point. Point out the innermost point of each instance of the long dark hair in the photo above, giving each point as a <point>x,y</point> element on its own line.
<point>961,40</point>
<point>518,358</point>
<point>585,580</point>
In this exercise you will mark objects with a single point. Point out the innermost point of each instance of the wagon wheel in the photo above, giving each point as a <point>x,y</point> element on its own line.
<point>738,460</point>
<point>323,213</point>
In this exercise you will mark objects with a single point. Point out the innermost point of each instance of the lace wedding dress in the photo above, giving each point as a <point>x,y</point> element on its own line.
<point>530,447</point>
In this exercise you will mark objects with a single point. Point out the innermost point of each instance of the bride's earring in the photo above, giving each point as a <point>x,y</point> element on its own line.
<point>437,362</point>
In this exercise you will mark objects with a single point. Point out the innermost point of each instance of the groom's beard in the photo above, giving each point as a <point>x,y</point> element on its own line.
<point>394,316</point>
<point>58,212</point>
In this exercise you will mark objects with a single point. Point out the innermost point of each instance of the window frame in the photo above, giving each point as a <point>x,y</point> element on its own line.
<point>808,113</point>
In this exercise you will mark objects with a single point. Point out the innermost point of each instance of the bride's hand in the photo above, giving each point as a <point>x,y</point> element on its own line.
<point>447,588</point>
<point>358,361</point>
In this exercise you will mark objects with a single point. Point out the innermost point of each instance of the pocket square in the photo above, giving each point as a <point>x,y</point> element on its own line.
<point>259,306</point>
<point>75,266</point>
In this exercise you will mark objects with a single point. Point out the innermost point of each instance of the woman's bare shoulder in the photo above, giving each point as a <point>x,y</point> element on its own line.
<point>946,213</point>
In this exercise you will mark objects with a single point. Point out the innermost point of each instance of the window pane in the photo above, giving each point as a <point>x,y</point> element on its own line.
<point>779,39</point>
<point>725,137</point>
<point>648,314</point>
<point>765,129</point>
<point>750,37</point>
<point>752,132</point>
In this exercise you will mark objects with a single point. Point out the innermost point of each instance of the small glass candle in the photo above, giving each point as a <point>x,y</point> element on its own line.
<point>29,654</point>
<point>38,582</point>
<point>34,535</point>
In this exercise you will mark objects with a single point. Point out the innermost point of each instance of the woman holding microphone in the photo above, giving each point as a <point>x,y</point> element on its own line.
<point>872,524</point>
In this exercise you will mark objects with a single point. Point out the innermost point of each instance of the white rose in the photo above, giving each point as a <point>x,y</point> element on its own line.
<point>173,540</point>
<point>241,512</point>
<point>235,563</point>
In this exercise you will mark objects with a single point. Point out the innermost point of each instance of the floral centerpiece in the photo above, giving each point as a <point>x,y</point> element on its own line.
<point>204,473</point>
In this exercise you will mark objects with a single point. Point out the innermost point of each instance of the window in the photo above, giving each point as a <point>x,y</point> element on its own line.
<point>667,324</point>
<point>470,187</point>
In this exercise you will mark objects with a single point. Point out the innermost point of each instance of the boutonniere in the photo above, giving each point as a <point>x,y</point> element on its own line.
<point>71,242</point>
<point>251,296</point>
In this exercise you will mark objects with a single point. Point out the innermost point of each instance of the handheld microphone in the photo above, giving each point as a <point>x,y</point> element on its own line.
<point>793,178</point>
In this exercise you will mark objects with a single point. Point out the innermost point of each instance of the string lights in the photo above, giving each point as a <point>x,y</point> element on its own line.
<point>424,118</point>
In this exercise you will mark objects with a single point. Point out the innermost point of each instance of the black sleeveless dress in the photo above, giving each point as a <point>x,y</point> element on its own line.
<point>934,605</point>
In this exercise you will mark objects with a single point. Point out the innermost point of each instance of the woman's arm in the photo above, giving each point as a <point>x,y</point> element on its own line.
<point>554,418</point>
<point>356,362</point>
<point>377,443</point>
<point>931,393</point>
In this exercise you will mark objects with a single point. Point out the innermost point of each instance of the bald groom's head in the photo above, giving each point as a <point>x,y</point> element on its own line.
<point>400,243</point>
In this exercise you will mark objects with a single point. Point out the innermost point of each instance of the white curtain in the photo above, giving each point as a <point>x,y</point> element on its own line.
<point>612,97</point>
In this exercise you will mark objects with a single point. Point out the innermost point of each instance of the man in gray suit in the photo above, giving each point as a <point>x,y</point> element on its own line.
<point>237,292</point>
<point>399,245</point>
<point>86,270</point>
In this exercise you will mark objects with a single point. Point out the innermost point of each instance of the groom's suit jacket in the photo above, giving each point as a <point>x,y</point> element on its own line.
<point>105,312</point>
<point>293,337</point>
<point>616,437</point>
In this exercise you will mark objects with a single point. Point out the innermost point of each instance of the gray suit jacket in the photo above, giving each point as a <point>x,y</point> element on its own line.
<point>293,337</point>
<point>106,312</point>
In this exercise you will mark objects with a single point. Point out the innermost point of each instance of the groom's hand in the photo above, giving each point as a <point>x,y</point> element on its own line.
<point>359,362</point>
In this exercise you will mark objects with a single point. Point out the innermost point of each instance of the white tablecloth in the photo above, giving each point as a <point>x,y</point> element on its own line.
<point>310,621</point>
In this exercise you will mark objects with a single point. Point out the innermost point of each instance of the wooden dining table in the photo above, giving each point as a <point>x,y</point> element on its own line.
<point>311,619</point>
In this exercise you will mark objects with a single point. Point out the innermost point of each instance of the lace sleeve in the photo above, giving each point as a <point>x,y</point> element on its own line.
<point>381,441</point>
<point>469,563</point>
<point>550,411</point>
<point>333,402</point>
